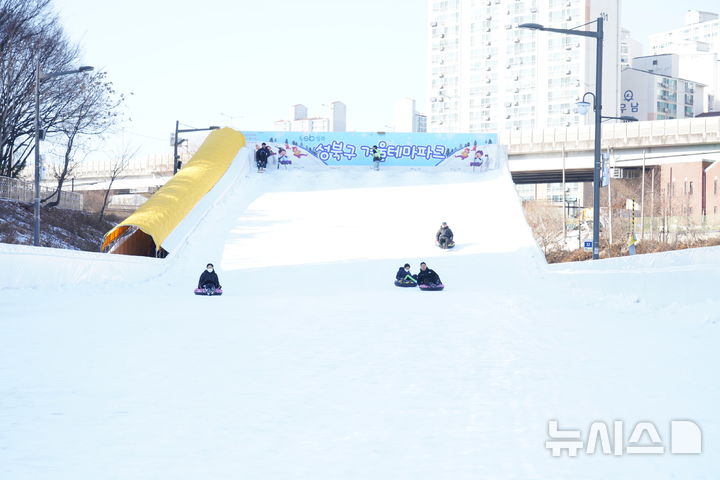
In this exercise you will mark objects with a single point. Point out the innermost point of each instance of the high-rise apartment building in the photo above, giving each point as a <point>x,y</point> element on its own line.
<point>298,112</point>
<point>407,119</point>
<point>691,52</point>
<point>701,33</point>
<point>300,122</point>
<point>696,67</point>
<point>421,122</point>
<point>488,75</point>
<point>629,49</point>
<point>659,96</point>
<point>338,114</point>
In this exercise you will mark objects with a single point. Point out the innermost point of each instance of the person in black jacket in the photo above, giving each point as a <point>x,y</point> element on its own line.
<point>444,236</point>
<point>208,278</point>
<point>261,157</point>
<point>403,274</point>
<point>427,276</point>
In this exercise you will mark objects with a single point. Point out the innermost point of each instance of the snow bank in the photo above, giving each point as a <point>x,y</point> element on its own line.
<point>691,257</point>
<point>26,266</point>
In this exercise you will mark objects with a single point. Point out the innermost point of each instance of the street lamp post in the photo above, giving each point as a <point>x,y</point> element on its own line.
<point>177,141</point>
<point>39,78</point>
<point>597,100</point>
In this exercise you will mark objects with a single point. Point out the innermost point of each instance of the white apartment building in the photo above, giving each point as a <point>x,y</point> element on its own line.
<point>338,117</point>
<point>699,67</point>
<point>300,122</point>
<point>654,96</point>
<point>691,52</point>
<point>421,122</point>
<point>298,112</point>
<point>487,75</point>
<point>702,27</point>
<point>629,49</point>
<point>407,119</point>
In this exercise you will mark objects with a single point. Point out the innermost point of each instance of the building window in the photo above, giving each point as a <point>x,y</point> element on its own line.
<point>715,186</point>
<point>688,187</point>
<point>629,173</point>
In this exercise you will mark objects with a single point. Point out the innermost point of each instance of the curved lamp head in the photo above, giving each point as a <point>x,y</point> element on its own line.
<point>531,26</point>
<point>583,107</point>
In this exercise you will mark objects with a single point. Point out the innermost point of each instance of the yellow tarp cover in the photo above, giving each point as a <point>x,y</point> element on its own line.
<point>168,206</point>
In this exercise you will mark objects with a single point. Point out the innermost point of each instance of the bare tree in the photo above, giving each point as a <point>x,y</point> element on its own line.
<point>667,212</point>
<point>31,38</point>
<point>122,159</point>
<point>93,113</point>
<point>546,222</point>
<point>621,191</point>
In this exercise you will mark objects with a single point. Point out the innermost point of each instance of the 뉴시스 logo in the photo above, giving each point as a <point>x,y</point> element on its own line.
<point>685,438</point>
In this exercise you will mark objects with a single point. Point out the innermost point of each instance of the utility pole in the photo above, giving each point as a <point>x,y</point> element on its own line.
<point>177,141</point>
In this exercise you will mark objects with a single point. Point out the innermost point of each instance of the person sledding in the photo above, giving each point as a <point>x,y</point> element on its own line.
<point>428,279</point>
<point>209,284</point>
<point>403,277</point>
<point>444,236</point>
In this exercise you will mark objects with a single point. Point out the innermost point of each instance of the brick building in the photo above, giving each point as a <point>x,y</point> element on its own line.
<point>691,190</point>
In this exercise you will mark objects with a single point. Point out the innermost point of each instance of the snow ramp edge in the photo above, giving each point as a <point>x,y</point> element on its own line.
<point>143,232</point>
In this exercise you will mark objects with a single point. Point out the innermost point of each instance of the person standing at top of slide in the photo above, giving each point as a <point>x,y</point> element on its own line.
<point>261,157</point>
<point>377,157</point>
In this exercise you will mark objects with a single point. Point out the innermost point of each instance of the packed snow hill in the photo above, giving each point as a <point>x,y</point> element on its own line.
<point>314,365</point>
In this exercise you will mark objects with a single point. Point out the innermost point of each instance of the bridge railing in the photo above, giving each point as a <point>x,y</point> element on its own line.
<point>154,164</point>
<point>617,135</point>
<point>24,191</point>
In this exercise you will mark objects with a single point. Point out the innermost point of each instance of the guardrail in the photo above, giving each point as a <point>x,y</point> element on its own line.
<point>154,164</point>
<point>24,191</point>
<point>658,133</point>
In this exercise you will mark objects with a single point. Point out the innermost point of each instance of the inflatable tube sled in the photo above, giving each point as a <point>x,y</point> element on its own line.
<point>208,291</point>
<point>405,283</point>
<point>432,287</point>
<point>450,244</point>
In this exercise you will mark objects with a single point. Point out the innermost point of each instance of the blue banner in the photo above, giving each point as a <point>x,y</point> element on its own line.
<point>477,150</point>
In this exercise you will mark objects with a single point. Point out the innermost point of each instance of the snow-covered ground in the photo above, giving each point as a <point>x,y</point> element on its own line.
<point>313,365</point>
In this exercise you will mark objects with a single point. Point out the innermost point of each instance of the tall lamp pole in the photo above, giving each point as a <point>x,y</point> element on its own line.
<point>177,141</point>
<point>39,78</point>
<point>598,36</point>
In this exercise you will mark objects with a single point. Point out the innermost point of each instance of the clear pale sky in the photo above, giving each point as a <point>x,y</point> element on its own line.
<point>243,63</point>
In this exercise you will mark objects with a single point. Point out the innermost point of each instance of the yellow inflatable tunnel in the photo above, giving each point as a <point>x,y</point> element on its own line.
<point>143,232</point>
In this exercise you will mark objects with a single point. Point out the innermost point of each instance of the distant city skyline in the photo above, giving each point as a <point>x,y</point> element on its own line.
<point>241,63</point>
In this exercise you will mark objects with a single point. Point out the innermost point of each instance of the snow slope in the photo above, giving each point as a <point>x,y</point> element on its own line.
<point>314,366</point>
